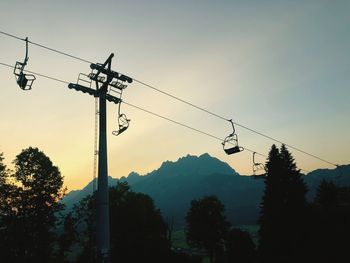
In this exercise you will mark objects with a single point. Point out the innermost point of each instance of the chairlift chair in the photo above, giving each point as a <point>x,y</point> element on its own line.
<point>123,124</point>
<point>24,81</point>
<point>231,139</point>
<point>259,170</point>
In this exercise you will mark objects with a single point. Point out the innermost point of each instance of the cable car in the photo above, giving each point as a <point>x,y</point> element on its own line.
<point>24,81</point>
<point>231,139</point>
<point>259,170</point>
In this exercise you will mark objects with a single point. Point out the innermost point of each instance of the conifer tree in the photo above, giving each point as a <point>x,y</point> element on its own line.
<point>283,209</point>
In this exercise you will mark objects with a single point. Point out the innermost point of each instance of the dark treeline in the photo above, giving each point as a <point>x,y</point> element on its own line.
<point>34,227</point>
<point>291,229</point>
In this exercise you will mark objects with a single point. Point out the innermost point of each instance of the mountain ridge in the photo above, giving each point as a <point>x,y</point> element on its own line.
<point>175,183</point>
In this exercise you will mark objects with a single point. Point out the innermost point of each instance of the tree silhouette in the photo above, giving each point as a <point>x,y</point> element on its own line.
<point>4,187</point>
<point>240,247</point>
<point>5,211</point>
<point>2,170</point>
<point>327,195</point>
<point>138,231</point>
<point>206,225</point>
<point>85,217</point>
<point>329,224</point>
<point>67,238</point>
<point>283,210</point>
<point>137,227</point>
<point>33,204</point>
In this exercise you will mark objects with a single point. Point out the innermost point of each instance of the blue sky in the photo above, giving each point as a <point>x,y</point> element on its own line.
<point>280,67</point>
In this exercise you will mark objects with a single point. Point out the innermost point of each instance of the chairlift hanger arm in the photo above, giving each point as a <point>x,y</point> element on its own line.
<point>254,158</point>
<point>26,57</point>
<point>233,126</point>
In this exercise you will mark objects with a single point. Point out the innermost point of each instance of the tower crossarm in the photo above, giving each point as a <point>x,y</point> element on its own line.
<point>81,88</point>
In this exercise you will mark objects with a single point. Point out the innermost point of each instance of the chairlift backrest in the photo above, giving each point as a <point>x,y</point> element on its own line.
<point>22,80</point>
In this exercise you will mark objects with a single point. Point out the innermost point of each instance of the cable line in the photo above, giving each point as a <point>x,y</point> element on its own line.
<point>48,48</point>
<point>182,124</point>
<point>183,101</point>
<point>9,35</point>
<point>191,128</point>
<point>237,124</point>
<point>149,112</point>
<point>38,74</point>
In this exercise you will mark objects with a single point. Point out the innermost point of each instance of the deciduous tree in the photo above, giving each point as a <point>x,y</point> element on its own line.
<point>206,226</point>
<point>138,231</point>
<point>34,204</point>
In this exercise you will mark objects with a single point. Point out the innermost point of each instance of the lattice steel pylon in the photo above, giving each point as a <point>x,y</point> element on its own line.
<point>103,77</point>
<point>94,183</point>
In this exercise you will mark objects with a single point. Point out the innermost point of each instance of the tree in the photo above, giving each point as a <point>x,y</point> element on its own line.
<point>3,185</point>
<point>138,232</point>
<point>240,247</point>
<point>36,191</point>
<point>85,217</point>
<point>5,188</point>
<point>327,195</point>
<point>5,210</point>
<point>2,170</point>
<point>329,224</point>
<point>67,238</point>
<point>283,209</point>
<point>206,225</point>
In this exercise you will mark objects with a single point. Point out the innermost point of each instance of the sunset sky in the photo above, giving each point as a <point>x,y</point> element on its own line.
<point>279,67</point>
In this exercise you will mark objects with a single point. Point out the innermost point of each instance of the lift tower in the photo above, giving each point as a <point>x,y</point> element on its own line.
<point>105,81</point>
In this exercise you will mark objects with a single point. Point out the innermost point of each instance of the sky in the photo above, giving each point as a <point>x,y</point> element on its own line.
<point>279,67</point>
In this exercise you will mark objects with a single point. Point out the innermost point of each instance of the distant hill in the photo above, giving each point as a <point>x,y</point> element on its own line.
<point>174,184</point>
<point>340,176</point>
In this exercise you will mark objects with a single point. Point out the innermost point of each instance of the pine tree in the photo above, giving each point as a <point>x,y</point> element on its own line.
<point>283,209</point>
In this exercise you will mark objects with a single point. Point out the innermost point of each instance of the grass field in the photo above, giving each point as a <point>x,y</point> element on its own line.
<point>179,237</point>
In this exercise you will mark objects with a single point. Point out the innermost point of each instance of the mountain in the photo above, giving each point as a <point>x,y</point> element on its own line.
<point>174,184</point>
<point>339,176</point>
<point>75,196</point>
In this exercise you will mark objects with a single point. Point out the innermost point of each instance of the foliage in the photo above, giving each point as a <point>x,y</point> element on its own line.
<point>240,247</point>
<point>2,170</point>
<point>327,195</point>
<point>283,209</point>
<point>329,229</point>
<point>32,204</point>
<point>67,238</point>
<point>4,187</point>
<point>138,231</point>
<point>206,224</point>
